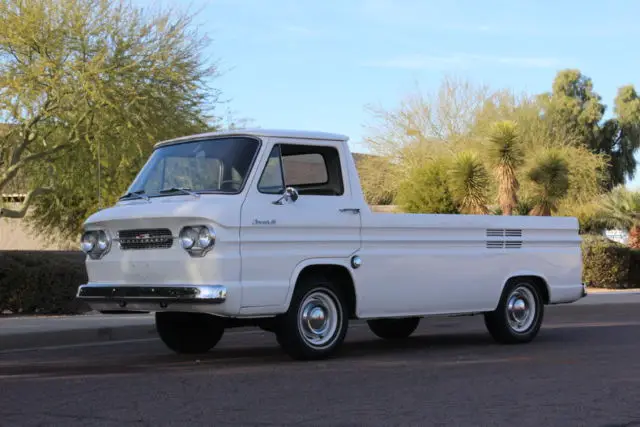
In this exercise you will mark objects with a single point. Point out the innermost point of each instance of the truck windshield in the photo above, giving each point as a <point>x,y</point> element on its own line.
<point>219,165</point>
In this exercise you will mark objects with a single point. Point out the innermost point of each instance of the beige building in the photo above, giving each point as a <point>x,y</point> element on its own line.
<point>15,234</point>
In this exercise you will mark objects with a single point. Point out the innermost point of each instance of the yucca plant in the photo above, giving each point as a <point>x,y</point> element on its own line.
<point>506,156</point>
<point>524,207</point>
<point>550,178</point>
<point>469,182</point>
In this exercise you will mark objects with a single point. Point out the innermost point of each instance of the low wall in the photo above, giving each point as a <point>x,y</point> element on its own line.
<point>15,234</point>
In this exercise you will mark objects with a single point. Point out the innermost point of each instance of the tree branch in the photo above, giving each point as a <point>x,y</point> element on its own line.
<point>17,214</point>
<point>11,172</point>
<point>30,135</point>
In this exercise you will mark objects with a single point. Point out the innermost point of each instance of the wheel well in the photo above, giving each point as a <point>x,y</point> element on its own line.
<point>337,274</point>
<point>538,282</point>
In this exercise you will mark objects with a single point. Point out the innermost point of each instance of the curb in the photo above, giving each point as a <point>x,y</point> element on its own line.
<point>35,340</point>
<point>602,291</point>
<point>145,330</point>
<point>630,296</point>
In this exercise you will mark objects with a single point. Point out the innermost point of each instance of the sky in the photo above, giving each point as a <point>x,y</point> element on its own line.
<point>318,65</point>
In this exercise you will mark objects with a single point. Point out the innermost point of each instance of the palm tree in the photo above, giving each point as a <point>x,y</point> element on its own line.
<point>621,208</point>
<point>505,154</point>
<point>469,183</point>
<point>550,178</point>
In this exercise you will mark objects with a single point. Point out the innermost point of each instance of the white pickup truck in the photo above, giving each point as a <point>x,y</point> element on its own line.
<point>270,229</point>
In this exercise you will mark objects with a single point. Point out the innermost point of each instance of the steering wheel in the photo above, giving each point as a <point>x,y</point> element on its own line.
<point>235,185</point>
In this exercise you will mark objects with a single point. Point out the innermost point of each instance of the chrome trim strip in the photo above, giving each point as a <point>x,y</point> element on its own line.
<point>212,294</point>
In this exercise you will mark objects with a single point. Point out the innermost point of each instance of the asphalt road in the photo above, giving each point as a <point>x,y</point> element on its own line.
<point>583,370</point>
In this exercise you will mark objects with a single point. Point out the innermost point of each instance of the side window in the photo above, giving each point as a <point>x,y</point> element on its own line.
<point>305,169</point>
<point>271,181</point>
<point>310,169</point>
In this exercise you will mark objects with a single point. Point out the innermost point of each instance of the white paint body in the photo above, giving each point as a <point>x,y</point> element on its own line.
<point>412,264</point>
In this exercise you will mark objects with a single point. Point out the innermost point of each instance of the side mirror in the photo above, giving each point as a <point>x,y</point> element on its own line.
<point>290,195</point>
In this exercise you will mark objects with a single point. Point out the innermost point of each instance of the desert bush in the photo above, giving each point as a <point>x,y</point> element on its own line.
<point>379,179</point>
<point>426,190</point>
<point>608,264</point>
<point>43,282</point>
<point>634,268</point>
<point>591,218</point>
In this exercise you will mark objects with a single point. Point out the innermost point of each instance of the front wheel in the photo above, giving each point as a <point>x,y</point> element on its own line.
<point>316,323</point>
<point>394,329</point>
<point>519,314</point>
<point>189,333</point>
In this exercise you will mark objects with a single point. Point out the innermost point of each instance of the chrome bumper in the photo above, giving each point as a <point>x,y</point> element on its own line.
<point>210,294</point>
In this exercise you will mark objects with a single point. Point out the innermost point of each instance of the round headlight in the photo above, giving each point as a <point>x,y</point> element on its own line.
<point>204,238</point>
<point>103,242</point>
<point>88,241</point>
<point>188,237</point>
<point>197,239</point>
<point>95,243</point>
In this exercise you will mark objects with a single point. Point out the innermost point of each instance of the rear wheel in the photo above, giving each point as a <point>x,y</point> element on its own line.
<point>394,329</point>
<point>519,314</point>
<point>316,323</point>
<point>189,333</point>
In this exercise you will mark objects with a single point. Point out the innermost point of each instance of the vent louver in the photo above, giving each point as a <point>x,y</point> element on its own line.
<point>504,243</point>
<point>495,244</point>
<point>513,244</point>
<point>513,233</point>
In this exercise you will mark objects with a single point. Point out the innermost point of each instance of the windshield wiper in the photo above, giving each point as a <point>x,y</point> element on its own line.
<point>182,189</point>
<point>140,193</point>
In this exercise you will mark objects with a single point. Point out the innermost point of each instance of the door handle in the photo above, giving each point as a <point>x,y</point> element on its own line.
<point>352,210</point>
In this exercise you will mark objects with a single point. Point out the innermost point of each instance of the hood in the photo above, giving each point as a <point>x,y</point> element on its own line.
<point>221,209</point>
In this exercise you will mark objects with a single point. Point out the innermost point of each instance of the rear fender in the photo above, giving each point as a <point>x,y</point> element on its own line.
<point>526,273</point>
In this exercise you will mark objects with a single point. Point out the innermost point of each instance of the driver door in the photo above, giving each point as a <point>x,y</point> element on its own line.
<point>277,234</point>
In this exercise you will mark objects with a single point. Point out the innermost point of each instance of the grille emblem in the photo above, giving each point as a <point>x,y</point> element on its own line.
<point>157,238</point>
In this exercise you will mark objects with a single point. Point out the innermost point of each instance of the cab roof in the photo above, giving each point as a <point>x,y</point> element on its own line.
<point>268,133</point>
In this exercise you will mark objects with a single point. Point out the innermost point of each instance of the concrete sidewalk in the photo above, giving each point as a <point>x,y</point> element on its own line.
<point>44,331</point>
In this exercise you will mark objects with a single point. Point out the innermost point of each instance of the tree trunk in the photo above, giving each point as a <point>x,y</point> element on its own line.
<point>541,209</point>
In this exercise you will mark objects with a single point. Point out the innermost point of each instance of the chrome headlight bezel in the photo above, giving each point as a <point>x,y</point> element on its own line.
<point>197,240</point>
<point>96,243</point>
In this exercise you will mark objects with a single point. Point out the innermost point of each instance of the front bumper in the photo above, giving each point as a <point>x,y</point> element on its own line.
<point>159,294</point>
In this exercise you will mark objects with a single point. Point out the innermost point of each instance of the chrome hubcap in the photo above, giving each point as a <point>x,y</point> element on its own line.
<point>521,309</point>
<point>318,318</point>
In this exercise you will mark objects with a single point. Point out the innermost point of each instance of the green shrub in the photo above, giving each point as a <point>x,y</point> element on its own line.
<point>634,268</point>
<point>608,264</point>
<point>426,190</point>
<point>43,282</point>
